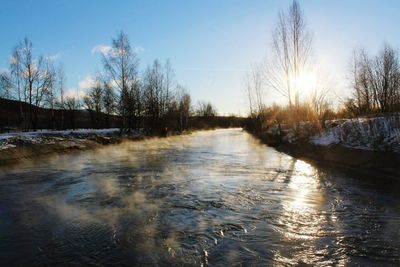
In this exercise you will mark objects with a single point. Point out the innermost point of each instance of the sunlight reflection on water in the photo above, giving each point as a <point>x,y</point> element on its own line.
<point>210,198</point>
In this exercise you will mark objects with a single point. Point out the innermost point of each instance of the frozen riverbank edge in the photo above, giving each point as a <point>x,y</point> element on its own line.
<point>20,146</point>
<point>368,163</point>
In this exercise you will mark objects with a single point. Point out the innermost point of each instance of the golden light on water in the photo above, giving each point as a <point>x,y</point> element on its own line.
<point>303,167</point>
<point>301,185</point>
<point>301,205</point>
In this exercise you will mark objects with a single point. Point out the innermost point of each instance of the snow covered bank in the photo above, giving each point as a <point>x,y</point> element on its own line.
<point>17,146</point>
<point>370,146</point>
<point>377,134</point>
<point>14,139</point>
<point>40,133</point>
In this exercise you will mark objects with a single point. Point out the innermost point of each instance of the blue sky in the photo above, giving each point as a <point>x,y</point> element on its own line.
<point>210,43</point>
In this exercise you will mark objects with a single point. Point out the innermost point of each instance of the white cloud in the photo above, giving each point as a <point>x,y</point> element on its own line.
<point>73,92</point>
<point>138,49</point>
<point>87,83</point>
<point>54,57</point>
<point>101,48</point>
<point>113,83</point>
<point>83,86</point>
<point>106,49</point>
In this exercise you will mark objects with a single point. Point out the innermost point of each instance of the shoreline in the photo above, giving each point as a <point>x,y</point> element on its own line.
<point>56,145</point>
<point>20,149</point>
<point>363,161</point>
<point>366,162</point>
<point>24,146</point>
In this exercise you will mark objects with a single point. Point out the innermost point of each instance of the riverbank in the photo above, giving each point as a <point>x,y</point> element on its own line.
<point>369,162</point>
<point>20,146</point>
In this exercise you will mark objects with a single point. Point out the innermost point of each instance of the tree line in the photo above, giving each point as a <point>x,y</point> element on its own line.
<point>374,87</point>
<point>375,82</point>
<point>151,100</point>
<point>32,80</point>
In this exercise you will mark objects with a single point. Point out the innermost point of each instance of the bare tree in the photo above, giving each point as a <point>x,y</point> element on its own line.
<point>375,81</point>
<point>134,101</point>
<point>153,95</point>
<point>386,78</point>
<point>254,85</point>
<point>61,84</point>
<point>292,53</point>
<point>108,101</point>
<point>5,85</point>
<point>320,105</point>
<point>94,101</point>
<point>184,106</point>
<point>16,79</point>
<point>169,83</point>
<point>38,75</point>
<point>205,109</point>
<point>121,66</point>
<point>50,94</point>
<point>362,73</point>
<point>72,103</point>
<point>6,92</point>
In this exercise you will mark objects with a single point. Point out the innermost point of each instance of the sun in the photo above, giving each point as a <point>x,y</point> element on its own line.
<point>305,82</point>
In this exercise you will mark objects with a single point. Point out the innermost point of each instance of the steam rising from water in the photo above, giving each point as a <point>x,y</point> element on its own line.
<point>211,198</point>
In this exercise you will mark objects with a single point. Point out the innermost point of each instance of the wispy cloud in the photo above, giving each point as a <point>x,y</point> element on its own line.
<point>55,56</point>
<point>101,48</point>
<point>73,92</point>
<point>106,49</point>
<point>83,86</point>
<point>217,69</point>
<point>86,83</point>
<point>138,49</point>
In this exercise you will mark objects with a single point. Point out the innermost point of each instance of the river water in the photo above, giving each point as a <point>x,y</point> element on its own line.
<point>212,198</point>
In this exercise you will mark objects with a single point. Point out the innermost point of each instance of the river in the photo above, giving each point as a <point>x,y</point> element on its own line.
<point>211,198</point>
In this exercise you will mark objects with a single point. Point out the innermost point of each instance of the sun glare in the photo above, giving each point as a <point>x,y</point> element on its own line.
<point>305,83</point>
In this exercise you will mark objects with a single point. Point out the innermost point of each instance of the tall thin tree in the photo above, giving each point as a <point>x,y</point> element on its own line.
<point>121,64</point>
<point>292,46</point>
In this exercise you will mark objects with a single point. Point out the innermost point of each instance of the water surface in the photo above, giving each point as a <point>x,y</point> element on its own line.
<point>213,198</point>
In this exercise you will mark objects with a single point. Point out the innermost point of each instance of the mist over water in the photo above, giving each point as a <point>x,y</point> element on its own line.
<point>212,198</point>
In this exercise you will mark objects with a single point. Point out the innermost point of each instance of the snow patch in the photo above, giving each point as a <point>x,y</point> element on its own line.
<point>329,138</point>
<point>12,139</point>
<point>379,133</point>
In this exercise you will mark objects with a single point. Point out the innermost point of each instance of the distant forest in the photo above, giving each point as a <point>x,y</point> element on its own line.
<point>33,95</point>
<point>61,119</point>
